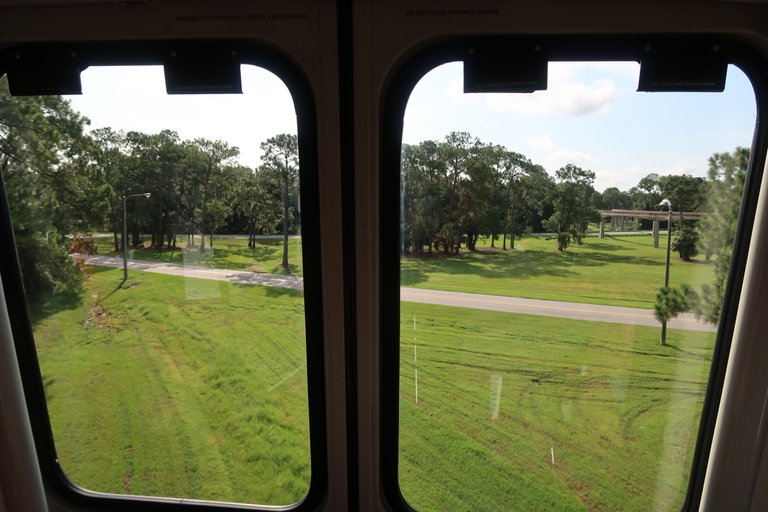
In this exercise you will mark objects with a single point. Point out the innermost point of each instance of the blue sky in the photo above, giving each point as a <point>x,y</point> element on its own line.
<point>590,116</point>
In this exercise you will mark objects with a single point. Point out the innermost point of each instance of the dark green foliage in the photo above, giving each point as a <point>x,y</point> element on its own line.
<point>281,162</point>
<point>687,193</point>
<point>717,230</point>
<point>685,241</point>
<point>572,201</point>
<point>457,190</point>
<point>45,170</point>
<point>670,302</point>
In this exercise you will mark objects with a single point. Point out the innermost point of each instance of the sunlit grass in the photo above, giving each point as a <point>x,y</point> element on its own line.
<point>618,271</point>
<point>500,396</point>
<point>192,388</point>
<point>178,387</point>
<point>227,253</point>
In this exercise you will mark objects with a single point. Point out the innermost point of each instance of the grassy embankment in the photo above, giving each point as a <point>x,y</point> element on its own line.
<point>617,271</point>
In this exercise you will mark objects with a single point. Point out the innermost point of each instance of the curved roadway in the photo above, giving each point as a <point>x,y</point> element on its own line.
<point>576,311</point>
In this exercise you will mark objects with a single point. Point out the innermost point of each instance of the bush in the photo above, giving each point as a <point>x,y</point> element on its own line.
<point>685,242</point>
<point>670,302</point>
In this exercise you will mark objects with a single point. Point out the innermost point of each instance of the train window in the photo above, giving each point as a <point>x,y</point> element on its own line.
<point>563,257</point>
<point>167,265</point>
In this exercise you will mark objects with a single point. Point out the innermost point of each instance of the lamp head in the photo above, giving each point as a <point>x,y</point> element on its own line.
<point>666,202</point>
<point>147,195</point>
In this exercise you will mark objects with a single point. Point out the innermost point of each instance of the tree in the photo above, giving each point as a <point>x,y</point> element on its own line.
<point>717,229</point>
<point>457,154</point>
<point>685,241</point>
<point>281,158</point>
<point>524,185</point>
<point>256,202</point>
<point>215,155</point>
<point>43,156</point>
<point>670,302</point>
<point>686,192</point>
<point>421,199</point>
<point>572,201</point>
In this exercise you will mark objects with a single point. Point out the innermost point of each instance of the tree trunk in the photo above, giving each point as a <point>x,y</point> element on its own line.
<point>504,242</point>
<point>470,241</point>
<point>512,240</point>
<point>117,243</point>
<point>285,222</point>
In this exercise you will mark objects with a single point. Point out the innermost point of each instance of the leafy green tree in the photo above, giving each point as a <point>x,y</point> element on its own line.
<point>281,158</point>
<point>422,205</point>
<point>215,156</point>
<point>256,201</point>
<point>572,201</point>
<point>524,186</point>
<point>717,229</point>
<point>670,302</point>
<point>478,211</point>
<point>458,154</point>
<point>686,192</point>
<point>43,156</point>
<point>685,241</point>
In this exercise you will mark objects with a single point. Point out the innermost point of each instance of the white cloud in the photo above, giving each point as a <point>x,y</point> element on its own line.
<point>553,157</point>
<point>568,92</point>
<point>560,99</point>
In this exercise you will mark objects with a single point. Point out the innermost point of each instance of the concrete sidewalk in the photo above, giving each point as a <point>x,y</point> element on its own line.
<point>575,311</point>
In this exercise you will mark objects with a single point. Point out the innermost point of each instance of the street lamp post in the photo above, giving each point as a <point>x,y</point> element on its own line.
<point>668,204</point>
<point>125,232</point>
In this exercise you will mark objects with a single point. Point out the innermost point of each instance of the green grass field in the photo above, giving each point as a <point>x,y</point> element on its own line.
<point>178,387</point>
<point>229,253</point>
<point>618,271</point>
<point>501,394</point>
<point>192,388</point>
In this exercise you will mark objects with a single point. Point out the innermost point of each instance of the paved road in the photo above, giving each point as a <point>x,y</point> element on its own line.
<point>216,274</point>
<point>591,312</point>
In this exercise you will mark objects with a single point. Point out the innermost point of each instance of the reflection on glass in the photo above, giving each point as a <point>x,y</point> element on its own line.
<point>185,376</point>
<point>534,232</point>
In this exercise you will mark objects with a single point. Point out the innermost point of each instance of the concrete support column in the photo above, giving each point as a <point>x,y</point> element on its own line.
<point>655,234</point>
<point>602,228</point>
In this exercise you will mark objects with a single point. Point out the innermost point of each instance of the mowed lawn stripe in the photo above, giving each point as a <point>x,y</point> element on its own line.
<point>618,411</point>
<point>152,392</point>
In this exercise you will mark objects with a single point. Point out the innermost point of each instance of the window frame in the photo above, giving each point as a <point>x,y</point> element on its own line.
<point>108,53</point>
<point>403,78</point>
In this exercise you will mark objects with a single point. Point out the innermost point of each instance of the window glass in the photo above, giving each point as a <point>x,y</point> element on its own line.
<point>181,370</point>
<point>545,239</point>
